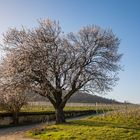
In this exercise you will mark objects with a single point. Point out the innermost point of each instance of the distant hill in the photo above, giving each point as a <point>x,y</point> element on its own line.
<point>78,97</point>
<point>89,98</point>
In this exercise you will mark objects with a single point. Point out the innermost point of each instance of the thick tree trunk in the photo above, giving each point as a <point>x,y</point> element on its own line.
<point>15,118</point>
<point>60,117</point>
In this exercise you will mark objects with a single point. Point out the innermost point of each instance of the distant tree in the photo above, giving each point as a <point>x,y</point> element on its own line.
<point>56,66</point>
<point>12,92</point>
<point>12,99</point>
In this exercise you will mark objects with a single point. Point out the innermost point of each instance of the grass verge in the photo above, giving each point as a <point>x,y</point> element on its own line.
<point>123,125</point>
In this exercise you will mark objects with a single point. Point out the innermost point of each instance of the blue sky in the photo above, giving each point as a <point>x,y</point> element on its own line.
<point>123,16</point>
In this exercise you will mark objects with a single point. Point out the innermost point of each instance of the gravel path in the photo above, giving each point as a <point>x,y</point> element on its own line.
<point>14,137</point>
<point>17,133</point>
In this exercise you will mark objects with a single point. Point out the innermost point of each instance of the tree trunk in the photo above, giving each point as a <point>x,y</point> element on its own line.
<point>15,118</point>
<point>60,117</point>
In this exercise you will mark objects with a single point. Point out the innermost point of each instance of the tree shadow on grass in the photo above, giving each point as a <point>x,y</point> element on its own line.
<point>102,124</point>
<point>38,131</point>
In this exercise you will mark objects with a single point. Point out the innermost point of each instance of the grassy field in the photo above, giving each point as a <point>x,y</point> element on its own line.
<point>43,106</point>
<point>69,107</point>
<point>118,125</point>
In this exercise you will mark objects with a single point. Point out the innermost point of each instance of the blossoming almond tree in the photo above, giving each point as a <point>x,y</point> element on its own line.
<point>56,65</point>
<point>13,94</point>
<point>12,101</point>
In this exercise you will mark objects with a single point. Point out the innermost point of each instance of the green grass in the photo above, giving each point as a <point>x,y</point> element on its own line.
<point>28,108</point>
<point>50,108</point>
<point>36,108</point>
<point>117,126</point>
<point>42,107</point>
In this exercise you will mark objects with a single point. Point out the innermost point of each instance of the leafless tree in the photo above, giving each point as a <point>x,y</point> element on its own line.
<point>56,65</point>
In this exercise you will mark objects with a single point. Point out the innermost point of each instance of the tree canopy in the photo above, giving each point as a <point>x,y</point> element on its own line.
<point>56,65</point>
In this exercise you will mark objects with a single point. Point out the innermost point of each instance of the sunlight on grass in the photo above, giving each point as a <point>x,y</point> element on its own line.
<point>113,126</point>
<point>29,108</point>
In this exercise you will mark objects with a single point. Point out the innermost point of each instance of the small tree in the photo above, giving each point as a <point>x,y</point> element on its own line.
<point>12,92</point>
<point>12,99</point>
<point>56,65</point>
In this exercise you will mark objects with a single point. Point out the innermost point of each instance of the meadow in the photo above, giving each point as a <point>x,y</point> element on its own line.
<point>45,106</point>
<point>121,124</point>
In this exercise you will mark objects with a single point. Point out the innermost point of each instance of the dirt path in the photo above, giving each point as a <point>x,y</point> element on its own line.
<point>17,133</point>
<point>14,137</point>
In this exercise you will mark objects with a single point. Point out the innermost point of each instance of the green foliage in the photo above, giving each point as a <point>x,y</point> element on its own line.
<point>120,125</point>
